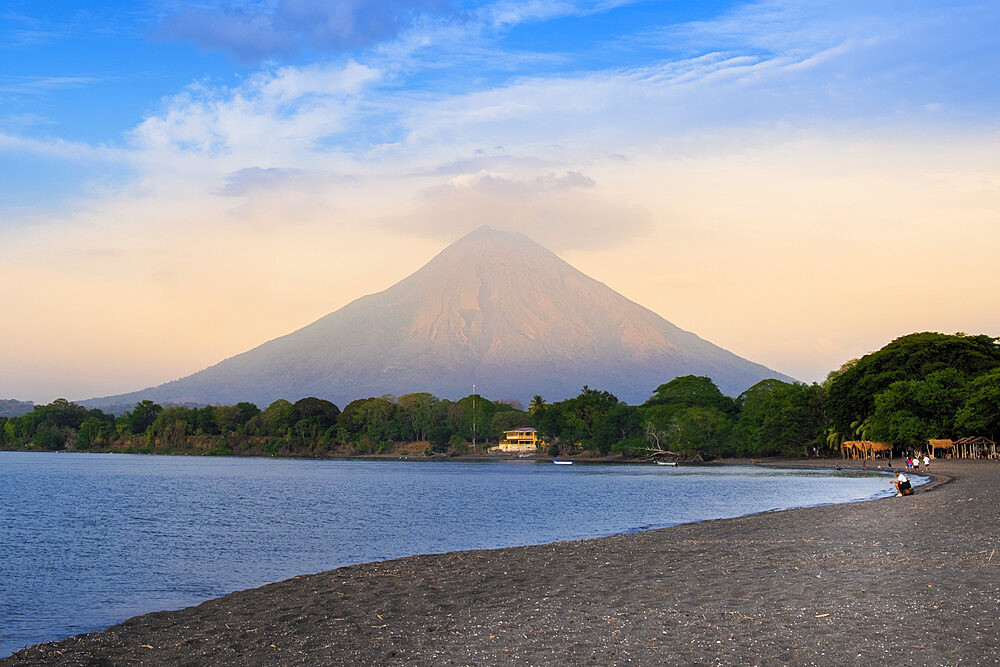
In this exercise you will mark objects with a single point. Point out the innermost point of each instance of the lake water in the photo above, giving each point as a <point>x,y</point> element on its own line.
<point>88,540</point>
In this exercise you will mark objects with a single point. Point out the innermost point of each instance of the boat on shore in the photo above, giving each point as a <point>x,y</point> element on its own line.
<point>666,463</point>
<point>560,462</point>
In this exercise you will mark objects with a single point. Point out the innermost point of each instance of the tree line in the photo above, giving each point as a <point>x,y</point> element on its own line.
<point>921,386</point>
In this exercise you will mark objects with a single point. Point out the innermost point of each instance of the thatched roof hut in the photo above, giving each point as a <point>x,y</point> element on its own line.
<point>864,449</point>
<point>975,447</point>
<point>934,445</point>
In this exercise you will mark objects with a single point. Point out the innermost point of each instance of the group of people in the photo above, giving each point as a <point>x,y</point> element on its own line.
<point>913,463</point>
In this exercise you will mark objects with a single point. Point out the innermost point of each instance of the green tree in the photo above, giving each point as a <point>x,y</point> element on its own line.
<point>439,436</point>
<point>699,430</point>
<point>370,422</point>
<point>980,414</point>
<point>62,414</point>
<point>508,420</point>
<point>246,412</point>
<point>596,419</point>
<point>853,389</point>
<point>49,436</point>
<point>659,414</point>
<point>142,416</point>
<point>689,391</point>
<point>279,417</point>
<point>551,422</point>
<point>471,417</point>
<point>909,412</point>
<point>322,409</point>
<point>418,414</point>
<point>779,418</point>
<point>96,429</point>
<point>227,418</point>
<point>205,420</point>
<point>173,425</point>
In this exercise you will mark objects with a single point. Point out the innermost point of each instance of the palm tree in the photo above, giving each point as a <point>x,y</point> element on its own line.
<point>862,429</point>
<point>833,438</point>
<point>537,403</point>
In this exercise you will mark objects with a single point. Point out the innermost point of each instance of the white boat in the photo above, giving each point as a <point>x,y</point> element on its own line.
<point>562,463</point>
<point>666,463</point>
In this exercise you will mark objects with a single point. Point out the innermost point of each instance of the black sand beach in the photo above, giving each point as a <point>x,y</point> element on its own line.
<point>912,580</point>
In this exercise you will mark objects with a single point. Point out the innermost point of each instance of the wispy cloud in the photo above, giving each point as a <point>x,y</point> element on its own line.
<point>507,13</point>
<point>484,162</point>
<point>45,84</point>
<point>254,179</point>
<point>499,185</point>
<point>565,211</point>
<point>61,149</point>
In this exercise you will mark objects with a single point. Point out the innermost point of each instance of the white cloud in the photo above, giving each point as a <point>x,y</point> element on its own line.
<point>273,112</point>
<point>560,210</point>
<point>61,149</point>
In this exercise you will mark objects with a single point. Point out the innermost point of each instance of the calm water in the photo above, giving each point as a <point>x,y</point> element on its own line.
<point>88,540</point>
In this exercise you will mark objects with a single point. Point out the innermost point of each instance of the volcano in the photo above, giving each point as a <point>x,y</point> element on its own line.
<point>495,310</point>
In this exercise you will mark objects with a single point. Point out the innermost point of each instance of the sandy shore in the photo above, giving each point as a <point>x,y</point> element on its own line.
<point>913,580</point>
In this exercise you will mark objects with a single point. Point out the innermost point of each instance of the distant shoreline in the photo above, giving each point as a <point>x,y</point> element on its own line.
<point>774,461</point>
<point>910,579</point>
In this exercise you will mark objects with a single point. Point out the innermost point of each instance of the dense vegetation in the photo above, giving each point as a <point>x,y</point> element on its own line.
<point>920,386</point>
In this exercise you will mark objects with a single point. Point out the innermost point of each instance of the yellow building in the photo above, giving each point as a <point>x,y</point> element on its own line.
<point>518,440</point>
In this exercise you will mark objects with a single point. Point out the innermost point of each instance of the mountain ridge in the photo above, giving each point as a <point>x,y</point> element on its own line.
<point>494,309</point>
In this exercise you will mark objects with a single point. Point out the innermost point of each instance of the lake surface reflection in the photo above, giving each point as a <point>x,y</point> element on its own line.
<point>88,540</point>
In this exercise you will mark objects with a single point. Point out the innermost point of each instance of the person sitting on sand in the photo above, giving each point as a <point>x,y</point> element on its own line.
<point>902,485</point>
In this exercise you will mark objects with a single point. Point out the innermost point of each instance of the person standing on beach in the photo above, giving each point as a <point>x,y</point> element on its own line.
<point>927,463</point>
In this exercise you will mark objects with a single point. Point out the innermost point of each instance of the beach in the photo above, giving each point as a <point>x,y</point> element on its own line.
<point>912,579</point>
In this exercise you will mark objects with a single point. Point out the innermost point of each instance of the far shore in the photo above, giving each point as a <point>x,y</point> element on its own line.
<point>584,457</point>
<point>911,579</point>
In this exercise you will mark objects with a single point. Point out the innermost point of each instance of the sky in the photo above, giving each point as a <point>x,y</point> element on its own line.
<point>799,181</point>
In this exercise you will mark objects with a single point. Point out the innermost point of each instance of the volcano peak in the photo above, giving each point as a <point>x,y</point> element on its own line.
<point>494,309</point>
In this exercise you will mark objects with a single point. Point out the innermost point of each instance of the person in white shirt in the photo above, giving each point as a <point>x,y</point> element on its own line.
<point>902,484</point>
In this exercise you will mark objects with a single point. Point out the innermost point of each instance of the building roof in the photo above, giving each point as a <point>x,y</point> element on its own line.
<point>866,444</point>
<point>974,440</point>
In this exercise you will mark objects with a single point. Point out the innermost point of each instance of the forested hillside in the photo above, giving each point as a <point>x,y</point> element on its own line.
<point>921,386</point>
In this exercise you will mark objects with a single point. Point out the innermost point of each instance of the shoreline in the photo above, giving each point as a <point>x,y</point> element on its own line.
<point>774,461</point>
<point>910,576</point>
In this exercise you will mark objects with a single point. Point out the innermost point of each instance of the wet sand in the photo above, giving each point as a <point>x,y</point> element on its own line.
<point>911,580</point>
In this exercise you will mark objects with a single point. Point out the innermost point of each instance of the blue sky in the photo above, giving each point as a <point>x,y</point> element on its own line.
<point>87,74</point>
<point>295,154</point>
